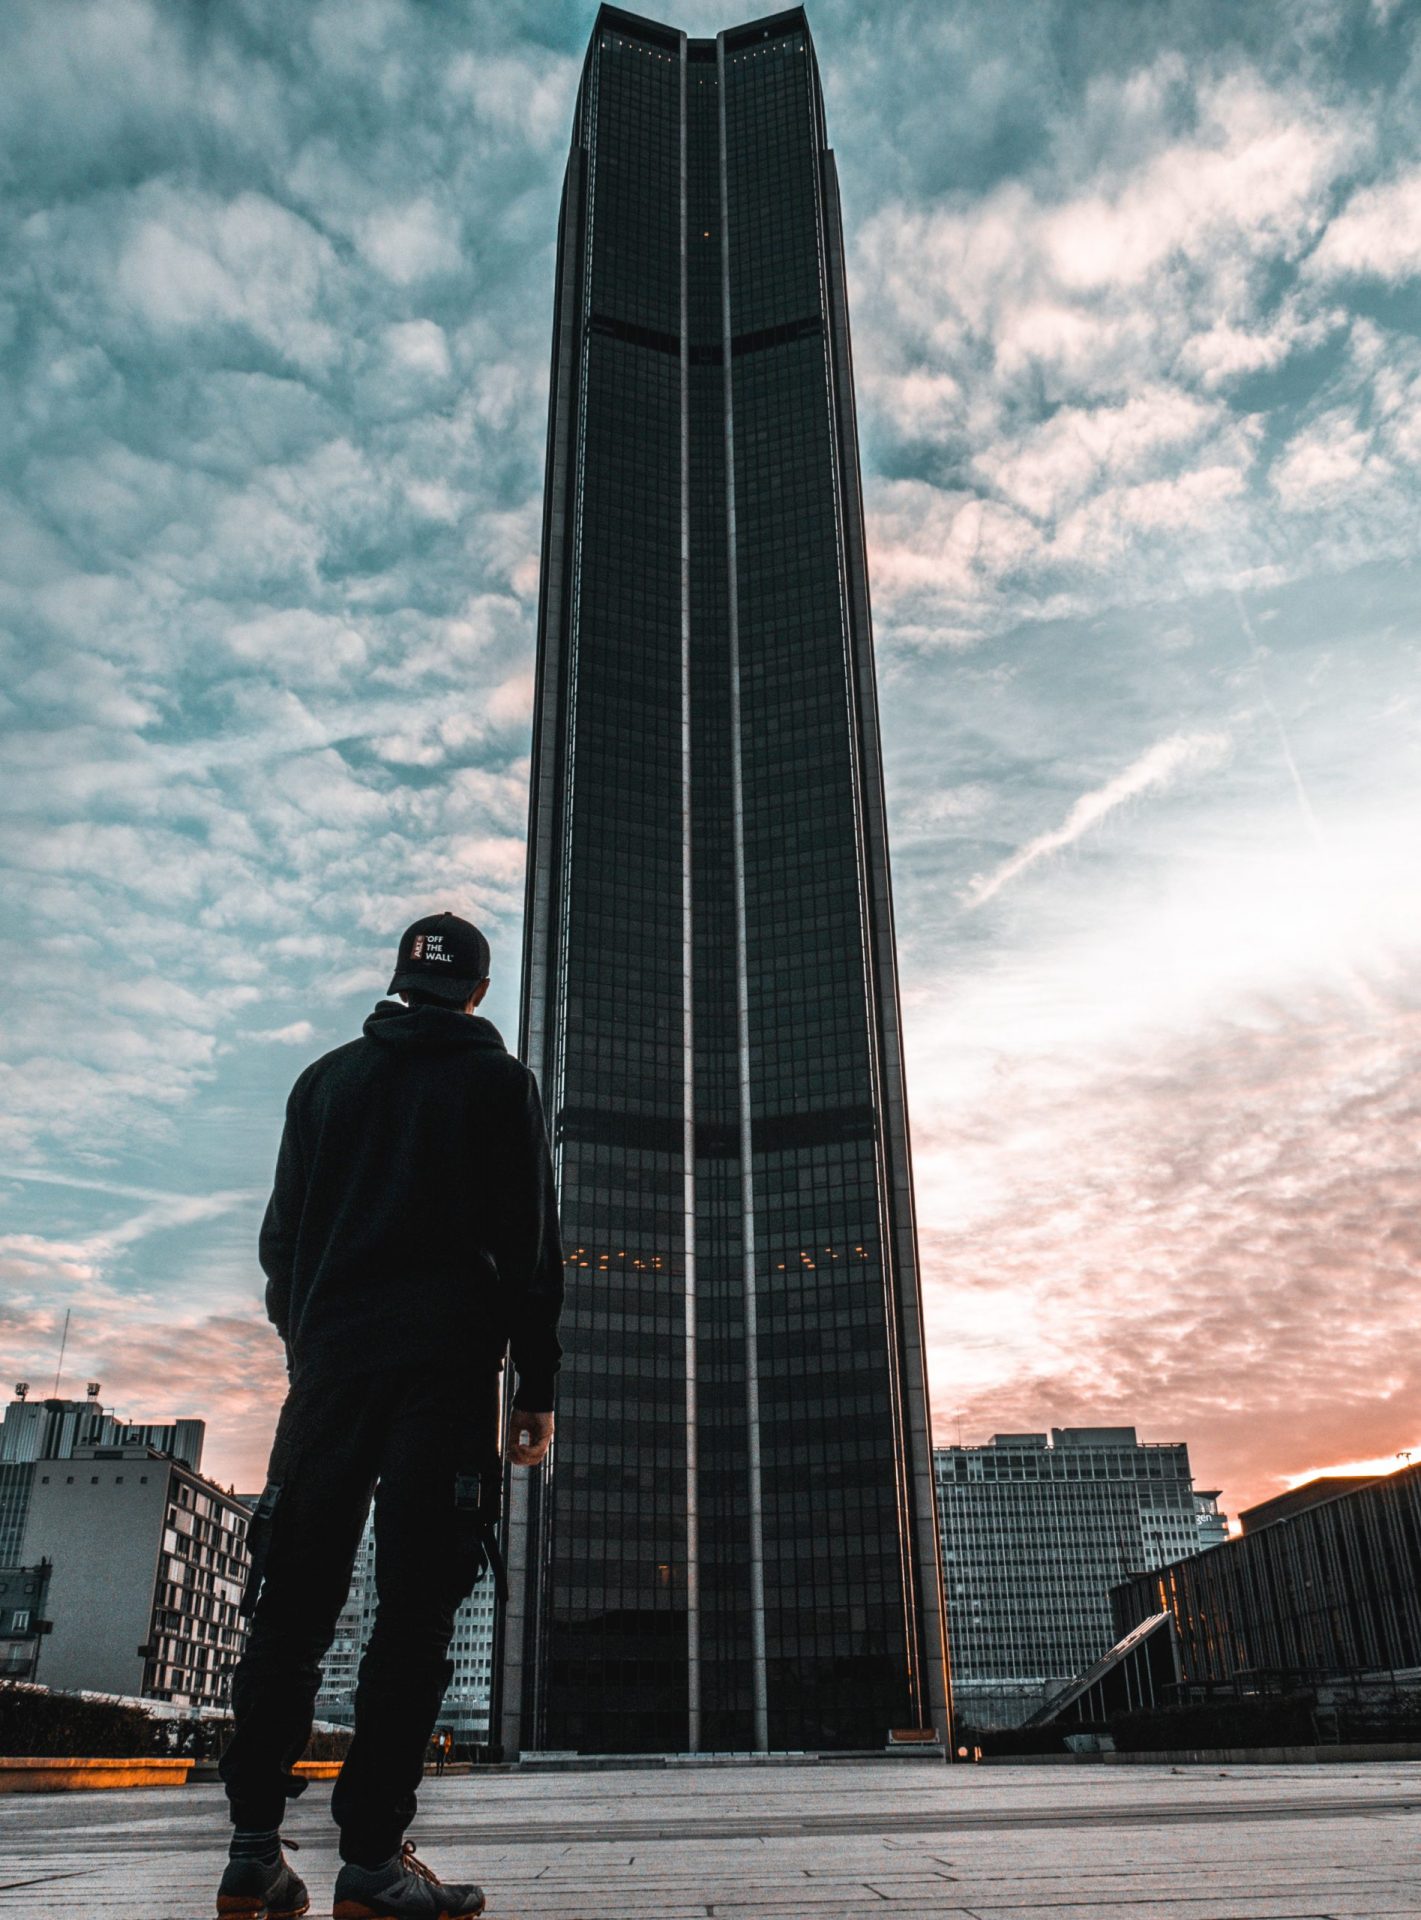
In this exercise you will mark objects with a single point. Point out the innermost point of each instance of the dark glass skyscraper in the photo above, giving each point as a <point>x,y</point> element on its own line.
<point>735,1545</point>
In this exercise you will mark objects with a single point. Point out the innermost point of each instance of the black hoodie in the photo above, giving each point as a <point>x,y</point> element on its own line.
<point>413,1221</point>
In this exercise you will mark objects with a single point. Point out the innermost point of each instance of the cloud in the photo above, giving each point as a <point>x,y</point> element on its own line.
<point>1210,1240</point>
<point>302,645</point>
<point>419,345</point>
<point>1157,767</point>
<point>930,810</point>
<point>1331,459</point>
<point>519,96</point>
<point>1163,1156</point>
<point>193,262</point>
<point>298,1034</point>
<point>1376,235</point>
<point>77,1271</point>
<point>165,1211</point>
<point>158,1361</point>
<point>411,242</point>
<point>1050,365</point>
<point>1059,460</point>
<point>1222,355</point>
<point>275,291</point>
<point>44,1177</point>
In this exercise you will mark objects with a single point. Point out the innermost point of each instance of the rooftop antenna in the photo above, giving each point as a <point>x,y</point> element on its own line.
<point>63,1343</point>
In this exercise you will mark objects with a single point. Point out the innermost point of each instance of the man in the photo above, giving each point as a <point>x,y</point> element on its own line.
<point>411,1239</point>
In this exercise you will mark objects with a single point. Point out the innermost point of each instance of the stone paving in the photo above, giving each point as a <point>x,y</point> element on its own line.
<point>902,1839</point>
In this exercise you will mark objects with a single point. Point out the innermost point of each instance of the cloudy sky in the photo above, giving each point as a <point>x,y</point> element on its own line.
<point>1137,306</point>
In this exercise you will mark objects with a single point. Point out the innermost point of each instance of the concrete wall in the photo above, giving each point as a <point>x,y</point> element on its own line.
<point>101,1523</point>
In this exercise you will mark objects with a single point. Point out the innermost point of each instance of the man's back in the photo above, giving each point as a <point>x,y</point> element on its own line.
<point>413,1218</point>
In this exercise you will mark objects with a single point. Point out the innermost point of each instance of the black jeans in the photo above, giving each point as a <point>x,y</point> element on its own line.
<point>426,1448</point>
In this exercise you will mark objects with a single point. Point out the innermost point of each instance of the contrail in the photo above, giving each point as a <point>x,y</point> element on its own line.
<point>164,1210</point>
<point>45,1178</point>
<point>1304,804</point>
<point>1155,768</point>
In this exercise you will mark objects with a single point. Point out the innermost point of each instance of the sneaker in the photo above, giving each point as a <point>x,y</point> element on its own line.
<point>403,1889</point>
<point>251,1890</point>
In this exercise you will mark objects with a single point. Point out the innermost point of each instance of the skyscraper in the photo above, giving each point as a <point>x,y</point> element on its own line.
<point>735,1545</point>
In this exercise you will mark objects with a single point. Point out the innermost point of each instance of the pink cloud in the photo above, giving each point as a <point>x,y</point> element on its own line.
<point>155,1361</point>
<point>1216,1239</point>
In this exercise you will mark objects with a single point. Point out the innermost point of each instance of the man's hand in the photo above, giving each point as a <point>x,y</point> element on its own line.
<point>529,1437</point>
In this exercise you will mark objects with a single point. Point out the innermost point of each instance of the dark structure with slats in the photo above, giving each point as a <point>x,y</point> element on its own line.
<point>734,1546</point>
<point>1324,1582</point>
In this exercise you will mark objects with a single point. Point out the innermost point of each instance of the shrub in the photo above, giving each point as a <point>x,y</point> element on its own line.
<point>1395,1718</point>
<point>1272,1720</point>
<point>327,1746</point>
<point>55,1725</point>
<point>38,1724</point>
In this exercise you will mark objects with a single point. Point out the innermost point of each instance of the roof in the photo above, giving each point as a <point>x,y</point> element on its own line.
<point>769,26</point>
<point>1313,1493</point>
<point>1083,1682</point>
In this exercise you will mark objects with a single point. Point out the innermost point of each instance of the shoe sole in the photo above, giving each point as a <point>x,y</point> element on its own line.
<point>357,1910</point>
<point>240,1906</point>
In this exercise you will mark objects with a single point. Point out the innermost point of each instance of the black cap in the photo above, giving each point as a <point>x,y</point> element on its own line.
<point>443,956</point>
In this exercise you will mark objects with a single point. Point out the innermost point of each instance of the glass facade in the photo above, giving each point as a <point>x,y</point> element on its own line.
<point>1035,1534</point>
<point>464,1711</point>
<point>734,1546</point>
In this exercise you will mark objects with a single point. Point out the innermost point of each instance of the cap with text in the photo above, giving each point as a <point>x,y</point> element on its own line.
<point>444,956</point>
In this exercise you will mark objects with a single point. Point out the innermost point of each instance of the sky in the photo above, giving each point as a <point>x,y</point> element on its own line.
<point>1136,298</point>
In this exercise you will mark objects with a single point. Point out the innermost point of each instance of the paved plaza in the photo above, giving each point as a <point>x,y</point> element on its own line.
<point>810,1842</point>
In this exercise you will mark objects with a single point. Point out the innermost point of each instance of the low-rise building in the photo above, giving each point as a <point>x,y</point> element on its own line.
<point>148,1560</point>
<point>24,1592</point>
<point>53,1429</point>
<point>1322,1584</point>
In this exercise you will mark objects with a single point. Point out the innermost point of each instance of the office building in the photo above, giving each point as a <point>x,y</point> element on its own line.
<point>735,1547</point>
<point>1036,1530</point>
<point>1323,1583</point>
<point>147,1564</point>
<point>335,1701</point>
<point>465,1711</point>
<point>24,1595</point>
<point>32,1430</point>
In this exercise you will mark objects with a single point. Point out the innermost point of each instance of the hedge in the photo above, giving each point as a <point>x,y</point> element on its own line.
<point>38,1724</point>
<point>55,1724</point>
<point>1268,1720</point>
<point>1248,1720</point>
